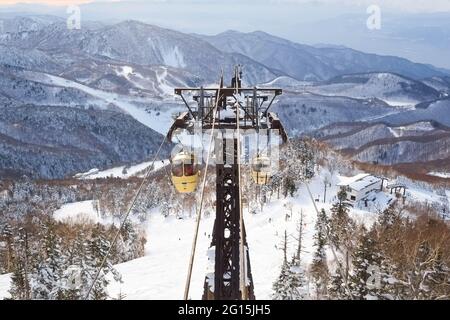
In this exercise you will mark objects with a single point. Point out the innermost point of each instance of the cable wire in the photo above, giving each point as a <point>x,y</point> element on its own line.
<point>199,212</point>
<point>149,170</point>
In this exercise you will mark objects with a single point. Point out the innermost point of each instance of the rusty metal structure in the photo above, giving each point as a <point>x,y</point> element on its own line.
<point>215,107</point>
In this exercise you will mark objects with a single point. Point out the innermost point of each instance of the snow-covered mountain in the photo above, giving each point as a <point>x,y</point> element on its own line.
<point>441,84</point>
<point>265,56</point>
<point>286,82</point>
<point>394,89</point>
<point>303,112</point>
<point>131,79</point>
<point>26,87</point>
<point>386,144</point>
<point>27,58</point>
<point>56,142</point>
<point>132,68</point>
<point>314,63</point>
<point>26,23</point>
<point>405,150</point>
<point>136,43</point>
<point>438,111</point>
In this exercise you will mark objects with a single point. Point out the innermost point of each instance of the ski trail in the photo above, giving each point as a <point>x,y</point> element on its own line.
<point>160,121</point>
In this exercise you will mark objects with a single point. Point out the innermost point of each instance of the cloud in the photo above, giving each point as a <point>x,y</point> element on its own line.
<point>52,2</point>
<point>47,2</point>
<point>399,5</point>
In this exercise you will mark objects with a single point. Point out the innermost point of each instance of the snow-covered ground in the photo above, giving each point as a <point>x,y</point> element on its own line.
<point>5,280</point>
<point>125,71</point>
<point>159,121</point>
<point>78,212</point>
<point>422,195</point>
<point>118,172</point>
<point>394,90</point>
<point>161,273</point>
<point>445,175</point>
<point>401,103</point>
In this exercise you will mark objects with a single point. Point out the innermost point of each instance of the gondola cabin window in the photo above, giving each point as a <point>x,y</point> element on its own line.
<point>177,169</point>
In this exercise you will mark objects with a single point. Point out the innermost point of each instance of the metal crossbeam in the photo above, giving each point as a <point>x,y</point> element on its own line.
<point>226,234</point>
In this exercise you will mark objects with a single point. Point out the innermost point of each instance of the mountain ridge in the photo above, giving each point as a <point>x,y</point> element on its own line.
<point>235,41</point>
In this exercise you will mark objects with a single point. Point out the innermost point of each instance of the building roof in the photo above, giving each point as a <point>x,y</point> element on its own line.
<point>360,181</point>
<point>345,181</point>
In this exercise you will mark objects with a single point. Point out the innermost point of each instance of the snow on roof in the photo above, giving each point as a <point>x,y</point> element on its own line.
<point>345,181</point>
<point>360,181</point>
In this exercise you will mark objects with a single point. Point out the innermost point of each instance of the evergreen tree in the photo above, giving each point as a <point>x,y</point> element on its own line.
<point>341,226</point>
<point>6,235</point>
<point>297,281</point>
<point>337,289</point>
<point>98,248</point>
<point>299,160</point>
<point>341,229</point>
<point>20,282</point>
<point>132,245</point>
<point>280,286</point>
<point>390,228</point>
<point>291,283</point>
<point>300,238</point>
<point>80,270</point>
<point>319,266</point>
<point>389,217</point>
<point>364,281</point>
<point>289,187</point>
<point>47,276</point>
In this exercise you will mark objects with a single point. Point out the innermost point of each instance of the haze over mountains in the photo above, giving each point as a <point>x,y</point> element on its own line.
<point>264,56</point>
<point>418,31</point>
<point>130,68</point>
<point>314,63</point>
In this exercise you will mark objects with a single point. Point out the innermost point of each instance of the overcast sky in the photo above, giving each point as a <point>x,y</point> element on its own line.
<point>402,5</point>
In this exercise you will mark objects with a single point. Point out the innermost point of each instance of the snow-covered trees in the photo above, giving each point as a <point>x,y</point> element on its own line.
<point>291,283</point>
<point>20,280</point>
<point>341,229</point>
<point>337,289</point>
<point>83,271</point>
<point>58,275</point>
<point>80,268</point>
<point>281,285</point>
<point>319,267</point>
<point>98,248</point>
<point>47,276</point>
<point>297,165</point>
<point>131,243</point>
<point>53,260</point>
<point>6,248</point>
<point>365,278</point>
<point>413,257</point>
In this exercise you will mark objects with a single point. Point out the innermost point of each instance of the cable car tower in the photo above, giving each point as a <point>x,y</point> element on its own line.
<point>234,108</point>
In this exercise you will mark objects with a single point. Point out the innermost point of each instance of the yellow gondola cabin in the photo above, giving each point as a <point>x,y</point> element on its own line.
<point>185,172</point>
<point>261,172</point>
